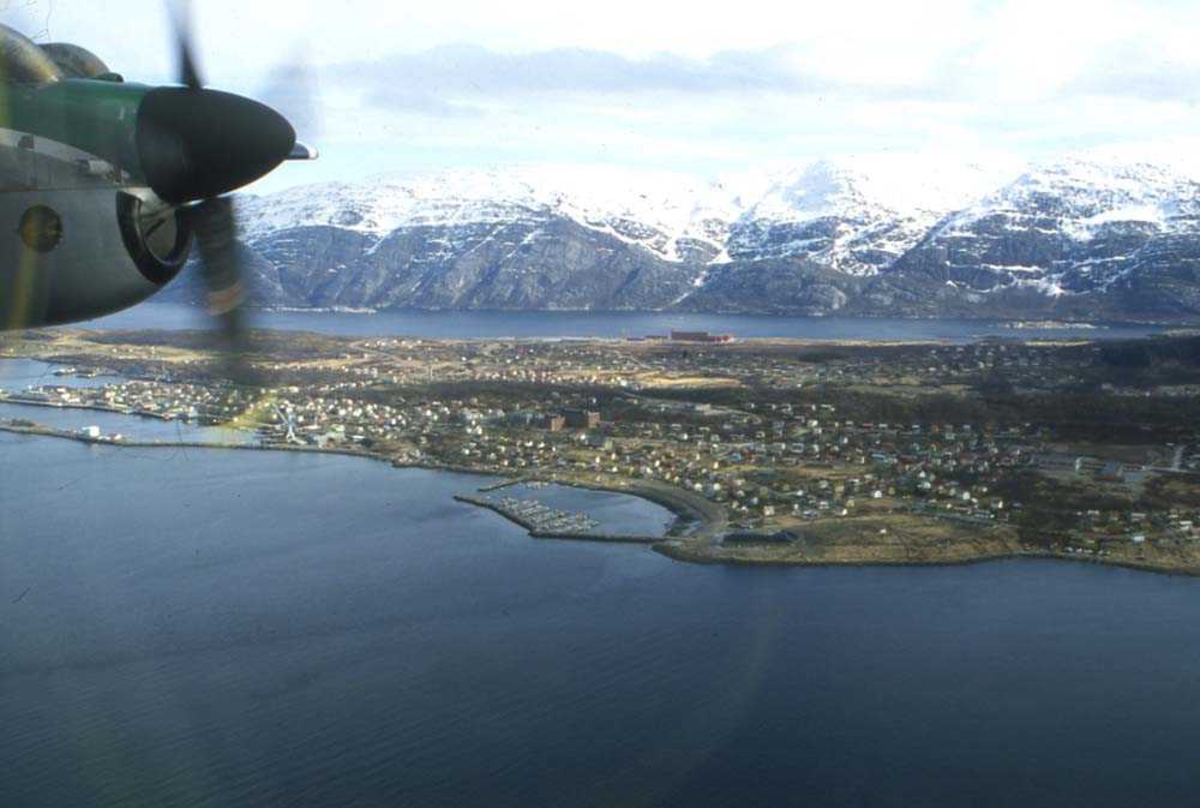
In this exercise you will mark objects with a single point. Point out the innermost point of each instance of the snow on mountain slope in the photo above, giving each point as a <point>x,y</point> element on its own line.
<point>1082,195</point>
<point>854,214</point>
<point>1077,225</point>
<point>858,214</point>
<point>907,233</point>
<point>675,216</point>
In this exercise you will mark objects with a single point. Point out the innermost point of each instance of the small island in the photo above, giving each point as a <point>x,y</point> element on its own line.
<point>769,451</point>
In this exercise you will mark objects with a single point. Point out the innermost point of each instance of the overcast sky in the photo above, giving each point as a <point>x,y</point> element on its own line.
<point>700,88</point>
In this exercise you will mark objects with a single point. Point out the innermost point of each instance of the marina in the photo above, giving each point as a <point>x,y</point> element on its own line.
<point>545,522</point>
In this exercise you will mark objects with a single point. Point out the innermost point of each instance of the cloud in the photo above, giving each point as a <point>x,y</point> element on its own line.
<point>459,80</point>
<point>412,101</point>
<point>470,71</point>
<point>1135,71</point>
<point>691,87</point>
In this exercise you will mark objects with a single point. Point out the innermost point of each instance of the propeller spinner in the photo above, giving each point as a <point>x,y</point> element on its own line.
<point>195,143</point>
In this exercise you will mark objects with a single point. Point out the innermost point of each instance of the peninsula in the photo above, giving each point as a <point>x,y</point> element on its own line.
<point>770,451</point>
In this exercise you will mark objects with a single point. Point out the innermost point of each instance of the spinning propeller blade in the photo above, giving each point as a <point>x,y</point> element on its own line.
<point>196,146</point>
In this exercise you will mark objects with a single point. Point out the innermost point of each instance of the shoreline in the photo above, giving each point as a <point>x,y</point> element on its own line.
<point>677,552</point>
<point>17,401</point>
<point>686,513</point>
<point>671,545</point>
<point>963,316</point>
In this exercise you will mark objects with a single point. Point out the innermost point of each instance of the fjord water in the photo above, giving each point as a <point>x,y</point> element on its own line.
<point>258,629</point>
<point>593,324</point>
<point>20,375</point>
<point>134,429</point>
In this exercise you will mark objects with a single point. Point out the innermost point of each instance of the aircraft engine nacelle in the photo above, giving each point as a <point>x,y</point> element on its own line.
<point>78,253</point>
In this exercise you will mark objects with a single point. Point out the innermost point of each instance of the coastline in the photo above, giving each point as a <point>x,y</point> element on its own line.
<point>18,401</point>
<point>678,552</point>
<point>700,546</point>
<point>684,511</point>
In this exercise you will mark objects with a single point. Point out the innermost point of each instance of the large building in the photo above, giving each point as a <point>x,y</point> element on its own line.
<point>581,419</point>
<point>699,336</point>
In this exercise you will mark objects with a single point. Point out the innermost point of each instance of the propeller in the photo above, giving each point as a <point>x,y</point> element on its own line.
<point>189,74</point>
<point>197,145</point>
<point>214,224</point>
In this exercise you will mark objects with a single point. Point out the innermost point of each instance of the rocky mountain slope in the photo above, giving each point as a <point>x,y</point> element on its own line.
<point>1078,235</point>
<point>894,235</point>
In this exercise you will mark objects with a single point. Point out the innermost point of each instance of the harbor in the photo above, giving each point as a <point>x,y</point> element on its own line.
<point>545,522</point>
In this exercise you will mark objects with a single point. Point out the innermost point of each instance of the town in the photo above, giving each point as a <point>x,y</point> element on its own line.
<point>771,451</point>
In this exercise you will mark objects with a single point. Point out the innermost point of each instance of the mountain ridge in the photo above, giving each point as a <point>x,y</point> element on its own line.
<point>1077,237</point>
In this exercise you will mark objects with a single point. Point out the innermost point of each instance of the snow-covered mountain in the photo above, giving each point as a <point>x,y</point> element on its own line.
<point>674,216</point>
<point>857,215</point>
<point>1076,227</point>
<point>891,234</point>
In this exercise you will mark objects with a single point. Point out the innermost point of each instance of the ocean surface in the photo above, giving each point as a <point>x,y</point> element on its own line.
<point>234,628</point>
<point>497,324</point>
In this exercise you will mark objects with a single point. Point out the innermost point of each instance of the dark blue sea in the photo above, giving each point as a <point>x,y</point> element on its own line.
<point>236,628</point>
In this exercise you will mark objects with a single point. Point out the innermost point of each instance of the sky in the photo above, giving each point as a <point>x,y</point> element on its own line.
<point>703,89</point>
